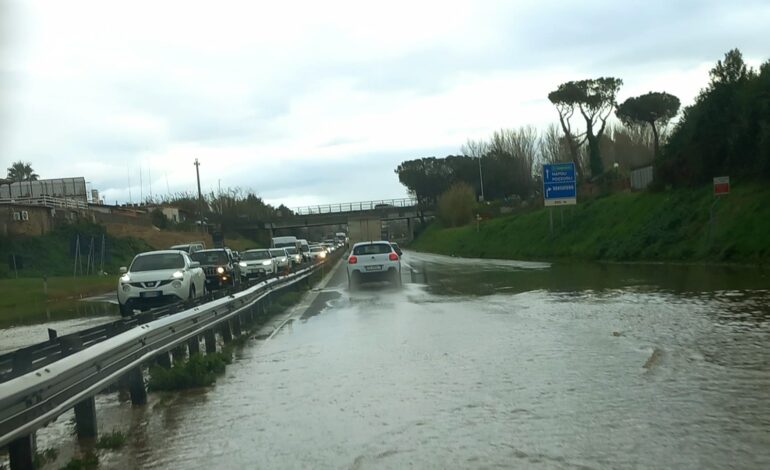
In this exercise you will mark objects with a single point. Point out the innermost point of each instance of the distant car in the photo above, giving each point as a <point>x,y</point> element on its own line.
<point>329,247</point>
<point>373,261</point>
<point>220,267</point>
<point>318,253</point>
<point>189,248</point>
<point>396,248</point>
<point>281,259</point>
<point>156,278</point>
<point>257,264</point>
<point>294,256</point>
<point>383,206</point>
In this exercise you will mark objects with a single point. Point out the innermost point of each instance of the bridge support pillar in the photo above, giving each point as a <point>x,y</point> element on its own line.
<point>85,418</point>
<point>227,334</point>
<point>21,452</point>
<point>136,387</point>
<point>164,359</point>
<point>194,345</point>
<point>210,338</point>
<point>179,352</point>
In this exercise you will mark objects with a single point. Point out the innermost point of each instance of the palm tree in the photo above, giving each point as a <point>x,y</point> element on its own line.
<point>20,171</point>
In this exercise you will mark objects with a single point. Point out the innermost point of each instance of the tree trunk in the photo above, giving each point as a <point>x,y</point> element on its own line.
<point>655,137</point>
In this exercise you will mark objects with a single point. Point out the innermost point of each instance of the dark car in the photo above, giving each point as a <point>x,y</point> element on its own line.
<point>220,267</point>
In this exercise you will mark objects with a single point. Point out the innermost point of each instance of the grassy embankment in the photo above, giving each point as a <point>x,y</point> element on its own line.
<point>666,226</point>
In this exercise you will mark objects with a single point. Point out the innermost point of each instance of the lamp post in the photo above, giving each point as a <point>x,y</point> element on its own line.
<point>481,180</point>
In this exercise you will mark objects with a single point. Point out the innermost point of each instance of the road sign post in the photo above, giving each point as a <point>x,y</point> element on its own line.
<point>721,185</point>
<point>721,188</point>
<point>559,184</point>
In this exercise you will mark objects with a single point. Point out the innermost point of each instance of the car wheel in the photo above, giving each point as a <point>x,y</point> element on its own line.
<point>191,295</point>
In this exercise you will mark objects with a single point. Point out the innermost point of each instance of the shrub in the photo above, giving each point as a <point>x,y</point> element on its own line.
<point>456,205</point>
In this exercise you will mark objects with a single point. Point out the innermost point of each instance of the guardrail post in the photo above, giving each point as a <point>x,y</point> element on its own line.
<point>236,325</point>
<point>194,345</point>
<point>227,334</point>
<point>163,359</point>
<point>22,362</point>
<point>21,452</point>
<point>136,386</point>
<point>85,418</point>
<point>210,338</point>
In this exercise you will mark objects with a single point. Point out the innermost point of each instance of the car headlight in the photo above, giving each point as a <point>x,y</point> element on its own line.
<point>125,278</point>
<point>176,284</point>
<point>178,275</point>
<point>126,288</point>
<point>322,254</point>
<point>266,263</point>
<point>221,270</point>
<point>242,264</point>
<point>283,260</point>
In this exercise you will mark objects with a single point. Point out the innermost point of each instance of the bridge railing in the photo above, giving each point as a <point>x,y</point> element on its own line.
<point>354,206</point>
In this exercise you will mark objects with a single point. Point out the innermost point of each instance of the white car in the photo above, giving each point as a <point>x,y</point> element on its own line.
<point>156,278</point>
<point>318,253</point>
<point>294,256</point>
<point>257,264</point>
<point>281,259</point>
<point>373,261</point>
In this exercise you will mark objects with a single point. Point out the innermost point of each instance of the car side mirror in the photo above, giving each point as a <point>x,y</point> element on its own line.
<point>123,270</point>
<point>195,264</point>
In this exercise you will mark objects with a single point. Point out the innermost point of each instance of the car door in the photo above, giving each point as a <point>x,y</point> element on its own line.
<point>197,276</point>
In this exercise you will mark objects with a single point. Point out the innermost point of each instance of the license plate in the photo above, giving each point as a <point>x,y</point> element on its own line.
<point>376,267</point>
<point>155,293</point>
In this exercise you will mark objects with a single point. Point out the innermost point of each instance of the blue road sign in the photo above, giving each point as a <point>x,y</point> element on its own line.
<point>559,184</point>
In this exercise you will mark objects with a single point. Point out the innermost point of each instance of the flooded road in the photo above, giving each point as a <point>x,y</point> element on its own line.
<point>491,364</point>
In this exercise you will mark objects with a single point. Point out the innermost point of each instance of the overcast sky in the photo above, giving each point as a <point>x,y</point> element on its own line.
<point>312,102</point>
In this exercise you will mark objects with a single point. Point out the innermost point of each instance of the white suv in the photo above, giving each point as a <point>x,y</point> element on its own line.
<point>257,264</point>
<point>375,261</point>
<point>159,277</point>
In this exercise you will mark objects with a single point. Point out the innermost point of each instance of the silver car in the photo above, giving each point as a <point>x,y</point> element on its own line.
<point>281,259</point>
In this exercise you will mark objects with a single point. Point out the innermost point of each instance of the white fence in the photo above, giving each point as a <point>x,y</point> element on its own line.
<point>46,201</point>
<point>641,178</point>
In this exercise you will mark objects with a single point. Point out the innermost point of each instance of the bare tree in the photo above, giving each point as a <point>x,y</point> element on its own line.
<point>553,146</point>
<point>474,148</point>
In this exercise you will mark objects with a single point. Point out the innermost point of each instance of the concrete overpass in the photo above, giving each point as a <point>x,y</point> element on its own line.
<point>359,214</point>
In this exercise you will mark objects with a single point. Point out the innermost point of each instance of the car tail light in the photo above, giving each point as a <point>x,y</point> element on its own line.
<point>393,257</point>
<point>352,260</point>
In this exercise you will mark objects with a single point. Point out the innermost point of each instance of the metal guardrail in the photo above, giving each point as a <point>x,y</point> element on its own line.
<point>354,206</point>
<point>47,201</point>
<point>29,401</point>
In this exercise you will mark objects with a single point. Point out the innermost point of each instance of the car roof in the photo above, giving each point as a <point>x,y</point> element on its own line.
<point>161,252</point>
<point>252,250</point>
<point>209,250</point>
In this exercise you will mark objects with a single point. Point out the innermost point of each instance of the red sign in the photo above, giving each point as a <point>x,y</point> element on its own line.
<point>721,185</point>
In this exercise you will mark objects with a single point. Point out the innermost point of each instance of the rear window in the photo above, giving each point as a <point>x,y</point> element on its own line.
<point>157,262</point>
<point>292,251</point>
<point>280,252</point>
<point>372,249</point>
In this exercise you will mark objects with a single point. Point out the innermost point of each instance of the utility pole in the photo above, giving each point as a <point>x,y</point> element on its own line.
<point>200,195</point>
<point>481,180</point>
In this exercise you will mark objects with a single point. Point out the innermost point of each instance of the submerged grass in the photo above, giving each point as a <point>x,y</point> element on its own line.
<point>89,461</point>
<point>112,440</point>
<point>666,226</point>
<point>197,371</point>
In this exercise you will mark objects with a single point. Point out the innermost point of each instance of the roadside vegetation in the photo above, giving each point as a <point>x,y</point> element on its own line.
<point>89,461</point>
<point>112,440</point>
<point>664,226</point>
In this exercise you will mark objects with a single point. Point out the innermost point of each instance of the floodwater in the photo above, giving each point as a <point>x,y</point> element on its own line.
<point>491,364</point>
<point>64,317</point>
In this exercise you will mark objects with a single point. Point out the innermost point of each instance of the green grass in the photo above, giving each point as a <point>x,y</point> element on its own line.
<point>112,440</point>
<point>198,371</point>
<point>665,226</point>
<point>53,254</point>
<point>89,461</point>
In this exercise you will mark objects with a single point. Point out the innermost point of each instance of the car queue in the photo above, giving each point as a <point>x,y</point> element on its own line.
<point>186,272</point>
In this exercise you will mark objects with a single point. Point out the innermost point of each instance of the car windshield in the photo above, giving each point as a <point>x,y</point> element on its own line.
<point>305,248</point>
<point>252,255</point>
<point>156,262</point>
<point>372,249</point>
<point>277,252</point>
<point>315,249</point>
<point>181,247</point>
<point>292,250</point>
<point>210,257</point>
